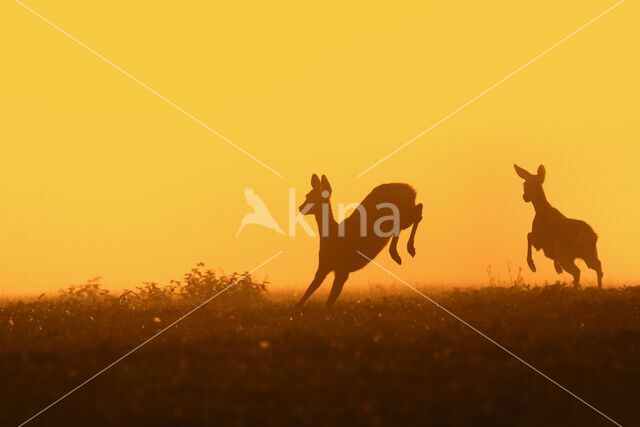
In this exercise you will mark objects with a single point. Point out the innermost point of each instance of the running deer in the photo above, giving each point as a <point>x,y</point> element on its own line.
<point>344,246</point>
<point>562,239</point>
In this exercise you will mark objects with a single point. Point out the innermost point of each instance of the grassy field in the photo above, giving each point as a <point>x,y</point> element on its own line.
<point>247,358</point>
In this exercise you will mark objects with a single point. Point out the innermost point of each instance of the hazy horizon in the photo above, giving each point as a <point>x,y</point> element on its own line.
<point>103,178</point>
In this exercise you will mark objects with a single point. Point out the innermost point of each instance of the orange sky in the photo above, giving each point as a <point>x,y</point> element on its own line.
<point>100,177</point>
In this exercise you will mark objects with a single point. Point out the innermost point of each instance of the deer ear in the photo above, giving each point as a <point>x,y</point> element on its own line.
<point>315,181</point>
<point>541,173</point>
<point>325,184</point>
<point>521,172</point>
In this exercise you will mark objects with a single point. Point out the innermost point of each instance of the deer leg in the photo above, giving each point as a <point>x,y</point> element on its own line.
<point>418,217</point>
<point>338,283</point>
<point>532,266</point>
<point>393,249</point>
<point>595,264</point>
<point>315,284</point>
<point>571,268</point>
<point>557,266</point>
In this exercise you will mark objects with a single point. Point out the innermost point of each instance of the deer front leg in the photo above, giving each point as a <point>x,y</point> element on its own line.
<point>532,266</point>
<point>315,284</point>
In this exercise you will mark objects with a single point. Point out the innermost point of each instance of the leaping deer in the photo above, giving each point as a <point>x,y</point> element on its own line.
<point>562,239</point>
<point>342,245</point>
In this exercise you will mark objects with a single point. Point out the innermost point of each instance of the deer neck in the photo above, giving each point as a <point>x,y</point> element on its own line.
<point>540,202</point>
<point>327,225</point>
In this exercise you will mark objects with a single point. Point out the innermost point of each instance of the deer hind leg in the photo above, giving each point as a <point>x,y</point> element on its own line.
<point>594,263</point>
<point>416,220</point>
<point>338,283</point>
<point>393,249</point>
<point>557,266</point>
<point>570,267</point>
<point>315,284</point>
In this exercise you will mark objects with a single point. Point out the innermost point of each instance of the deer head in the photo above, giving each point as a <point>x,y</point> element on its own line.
<point>532,183</point>
<point>319,194</point>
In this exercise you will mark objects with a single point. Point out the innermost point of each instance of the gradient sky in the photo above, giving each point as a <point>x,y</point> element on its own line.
<point>100,177</point>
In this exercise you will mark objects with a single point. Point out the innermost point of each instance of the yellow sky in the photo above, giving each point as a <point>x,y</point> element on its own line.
<point>100,177</point>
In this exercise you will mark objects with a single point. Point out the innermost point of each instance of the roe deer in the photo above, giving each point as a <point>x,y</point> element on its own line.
<point>562,239</point>
<point>363,231</point>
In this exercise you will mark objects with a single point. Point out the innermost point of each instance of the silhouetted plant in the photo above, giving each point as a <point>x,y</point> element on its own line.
<point>89,293</point>
<point>196,286</point>
<point>201,283</point>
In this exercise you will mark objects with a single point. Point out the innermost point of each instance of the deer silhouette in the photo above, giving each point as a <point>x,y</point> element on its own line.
<point>562,239</point>
<point>344,246</point>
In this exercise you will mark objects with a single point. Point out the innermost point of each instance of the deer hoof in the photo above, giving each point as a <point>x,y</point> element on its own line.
<point>411,250</point>
<point>532,266</point>
<point>558,268</point>
<point>396,258</point>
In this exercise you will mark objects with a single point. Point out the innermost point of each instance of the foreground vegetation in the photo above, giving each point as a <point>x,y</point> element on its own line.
<point>248,358</point>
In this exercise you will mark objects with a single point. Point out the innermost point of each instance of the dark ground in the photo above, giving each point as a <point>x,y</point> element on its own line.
<point>393,359</point>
